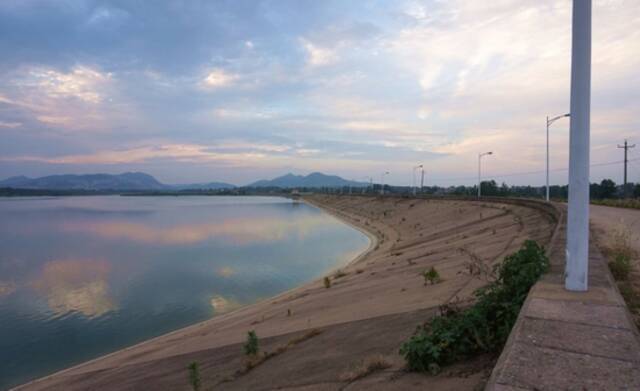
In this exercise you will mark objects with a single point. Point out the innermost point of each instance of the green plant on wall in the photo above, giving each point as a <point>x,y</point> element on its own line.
<point>484,327</point>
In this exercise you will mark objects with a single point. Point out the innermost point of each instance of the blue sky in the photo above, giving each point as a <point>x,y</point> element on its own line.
<point>235,91</point>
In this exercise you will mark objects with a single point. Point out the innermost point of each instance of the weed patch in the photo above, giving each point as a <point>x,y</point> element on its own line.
<point>620,267</point>
<point>194,375</point>
<point>431,276</point>
<point>366,367</point>
<point>485,326</point>
<point>251,346</point>
<point>338,274</point>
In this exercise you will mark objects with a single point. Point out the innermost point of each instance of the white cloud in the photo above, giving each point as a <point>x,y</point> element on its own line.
<point>318,56</point>
<point>5,124</point>
<point>83,83</point>
<point>218,78</point>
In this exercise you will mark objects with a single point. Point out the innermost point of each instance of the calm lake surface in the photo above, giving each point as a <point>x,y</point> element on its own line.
<point>84,276</point>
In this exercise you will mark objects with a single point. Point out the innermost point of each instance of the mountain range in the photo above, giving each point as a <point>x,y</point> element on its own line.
<point>312,180</point>
<point>141,181</point>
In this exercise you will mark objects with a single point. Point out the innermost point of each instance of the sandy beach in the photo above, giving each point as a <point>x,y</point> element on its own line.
<point>318,335</point>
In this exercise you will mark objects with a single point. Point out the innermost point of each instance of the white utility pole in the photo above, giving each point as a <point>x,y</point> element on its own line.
<point>577,251</point>
<point>382,180</point>
<point>414,178</point>
<point>422,181</point>
<point>549,122</point>
<point>480,155</point>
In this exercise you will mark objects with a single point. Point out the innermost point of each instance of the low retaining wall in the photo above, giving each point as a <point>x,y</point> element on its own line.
<point>571,340</point>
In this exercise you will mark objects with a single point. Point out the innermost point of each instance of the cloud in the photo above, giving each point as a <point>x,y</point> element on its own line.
<point>4,124</point>
<point>76,99</point>
<point>318,56</point>
<point>175,152</point>
<point>262,88</point>
<point>218,78</point>
<point>82,83</point>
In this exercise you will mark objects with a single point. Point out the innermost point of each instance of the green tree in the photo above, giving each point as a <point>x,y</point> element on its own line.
<point>607,188</point>
<point>489,188</point>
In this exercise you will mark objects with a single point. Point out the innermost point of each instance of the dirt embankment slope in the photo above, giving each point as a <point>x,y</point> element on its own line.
<point>371,307</point>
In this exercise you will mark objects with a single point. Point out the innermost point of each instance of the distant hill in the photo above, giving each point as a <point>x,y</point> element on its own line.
<point>314,180</point>
<point>126,181</point>
<point>100,182</point>
<point>204,186</point>
<point>138,181</point>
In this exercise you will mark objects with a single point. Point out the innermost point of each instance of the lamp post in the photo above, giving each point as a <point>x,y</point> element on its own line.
<point>549,122</point>
<point>414,178</point>
<point>370,180</point>
<point>576,273</point>
<point>480,155</point>
<point>382,181</point>
<point>422,180</point>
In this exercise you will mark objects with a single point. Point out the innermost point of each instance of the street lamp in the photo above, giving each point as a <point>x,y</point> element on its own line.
<point>480,155</point>
<point>414,178</point>
<point>549,122</point>
<point>370,180</point>
<point>382,180</point>
<point>576,274</point>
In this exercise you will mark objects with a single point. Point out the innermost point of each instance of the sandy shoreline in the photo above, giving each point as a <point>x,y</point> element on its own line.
<point>383,284</point>
<point>373,241</point>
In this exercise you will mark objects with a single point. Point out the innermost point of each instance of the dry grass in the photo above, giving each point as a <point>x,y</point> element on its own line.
<point>622,257</point>
<point>366,367</point>
<point>255,360</point>
<point>620,244</point>
<point>632,203</point>
<point>338,274</point>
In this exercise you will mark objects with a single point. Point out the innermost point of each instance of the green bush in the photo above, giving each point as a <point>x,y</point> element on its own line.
<point>327,282</point>
<point>194,375</point>
<point>251,346</point>
<point>431,276</point>
<point>483,327</point>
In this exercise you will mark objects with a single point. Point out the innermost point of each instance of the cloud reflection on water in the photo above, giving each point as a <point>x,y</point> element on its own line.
<point>76,285</point>
<point>7,288</point>
<point>222,304</point>
<point>239,231</point>
<point>226,271</point>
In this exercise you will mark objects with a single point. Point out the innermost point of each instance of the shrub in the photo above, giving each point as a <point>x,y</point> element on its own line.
<point>484,327</point>
<point>620,267</point>
<point>327,282</point>
<point>251,346</point>
<point>194,375</point>
<point>431,276</point>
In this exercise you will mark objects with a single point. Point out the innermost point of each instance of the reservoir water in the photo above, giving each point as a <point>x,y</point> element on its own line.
<point>84,276</point>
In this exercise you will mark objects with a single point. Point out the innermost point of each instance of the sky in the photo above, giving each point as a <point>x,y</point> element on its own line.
<point>235,91</point>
